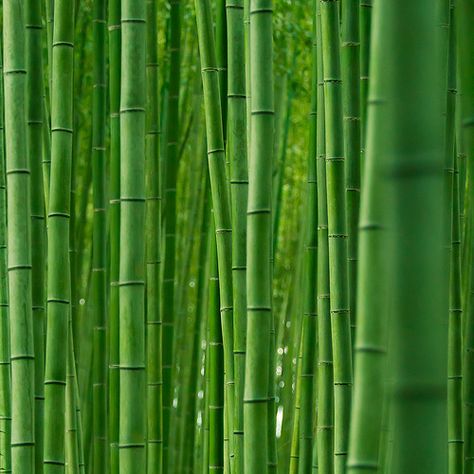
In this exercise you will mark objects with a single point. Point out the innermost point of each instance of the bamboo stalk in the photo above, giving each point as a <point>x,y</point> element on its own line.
<point>132,434</point>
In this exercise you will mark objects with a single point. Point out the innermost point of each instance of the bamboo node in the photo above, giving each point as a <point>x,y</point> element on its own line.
<point>68,44</point>
<point>62,129</point>
<point>261,10</point>
<point>18,171</point>
<point>14,71</point>
<point>22,357</point>
<point>131,283</point>
<point>131,367</point>
<point>19,267</point>
<point>132,20</point>
<point>262,112</point>
<point>131,445</point>
<point>55,382</point>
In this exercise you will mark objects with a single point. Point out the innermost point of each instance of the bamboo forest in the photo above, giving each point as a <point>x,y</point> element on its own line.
<point>237,236</point>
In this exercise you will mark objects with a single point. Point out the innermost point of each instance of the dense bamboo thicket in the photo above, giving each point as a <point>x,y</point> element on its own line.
<point>237,236</point>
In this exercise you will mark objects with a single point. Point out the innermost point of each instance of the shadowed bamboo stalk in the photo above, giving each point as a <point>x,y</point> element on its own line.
<point>172,137</point>
<point>337,233</point>
<point>34,113</point>
<point>59,277</point>
<point>237,153</point>
<point>18,240</point>
<point>132,452</point>
<point>5,393</point>
<point>310,315</point>
<point>99,236</point>
<point>373,286</point>
<point>114,232</point>
<point>153,234</point>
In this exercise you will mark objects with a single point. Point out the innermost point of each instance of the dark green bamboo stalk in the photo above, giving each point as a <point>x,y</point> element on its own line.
<point>365,14</point>
<point>221,58</point>
<point>373,286</point>
<point>18,240</point>
<point>219,189</point>
<point>72,445</point>
<point>350,53</point>
<point>172,137</point>
<point>310,262</point>
<point>99,236</point>
<point>259,239</point>
<point>59,278</point>
<point>114,232</point>
<point>216,367</point>
<point>132,453</point>
<point>415,159</point>
<point>38,230</point>
<point>5,381</point>
<point>325,416</point>
<point>337,233</point>
<point>237,153</point>
<point>153,234</point>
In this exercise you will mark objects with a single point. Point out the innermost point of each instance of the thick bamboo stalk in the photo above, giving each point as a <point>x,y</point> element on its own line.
<point>59,278</point>
<point>373,286</point>
<point>337,230</point>
<point>259,240</point>
<point>132,452</point>
<point>114,232</point>
<point>153,253</point>
<point>415,158</point>
<point>34,114</point>
<point>18,240</point>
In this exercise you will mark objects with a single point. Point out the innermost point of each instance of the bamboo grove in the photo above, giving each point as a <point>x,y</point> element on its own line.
<point>237,236</point>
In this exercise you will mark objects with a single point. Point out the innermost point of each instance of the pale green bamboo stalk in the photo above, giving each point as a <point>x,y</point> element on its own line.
<point>153,235</point>
<point>18,240</point>
<point>337,231</point>
<point>132,434</point>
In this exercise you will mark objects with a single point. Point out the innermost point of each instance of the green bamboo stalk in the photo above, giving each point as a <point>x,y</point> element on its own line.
<point>310,315</point>
<point>5,366</point>
<point>132,453</point>
<point>365,17</point>
<point>295,439</point>
<point>59,278</point>
<point>114,232</point>
<point>350,53</point>
<point>337,233</point>
<point>72,446</point>
<point>373,286</point>
<point>18,240</point>
<point>237,153</point>
<point>219,190</point>
<point>259,240</point>
<point>99,236</point>
<point>216,367</point>
<point>415,159</point>
<point>34,112</point>
<point>172,136</point>
<point>455,431</point>
<point>221,58</point>
<point>153,234</point>
<point>325,416</point>
<point>466,68</point>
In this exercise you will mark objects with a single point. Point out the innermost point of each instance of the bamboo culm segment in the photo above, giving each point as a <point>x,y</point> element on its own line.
<point>259,239</point>
<point>153,234</point>
<point>59,280</point>
<point>114,233</point>
<point>99,243</point>
<point>219,188</point>
<point>5,381</point>
<point>34,112</point>
<point>337,233</point>
<point>132,434</point>
<point>373,285</point>
<point>237,153</point>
